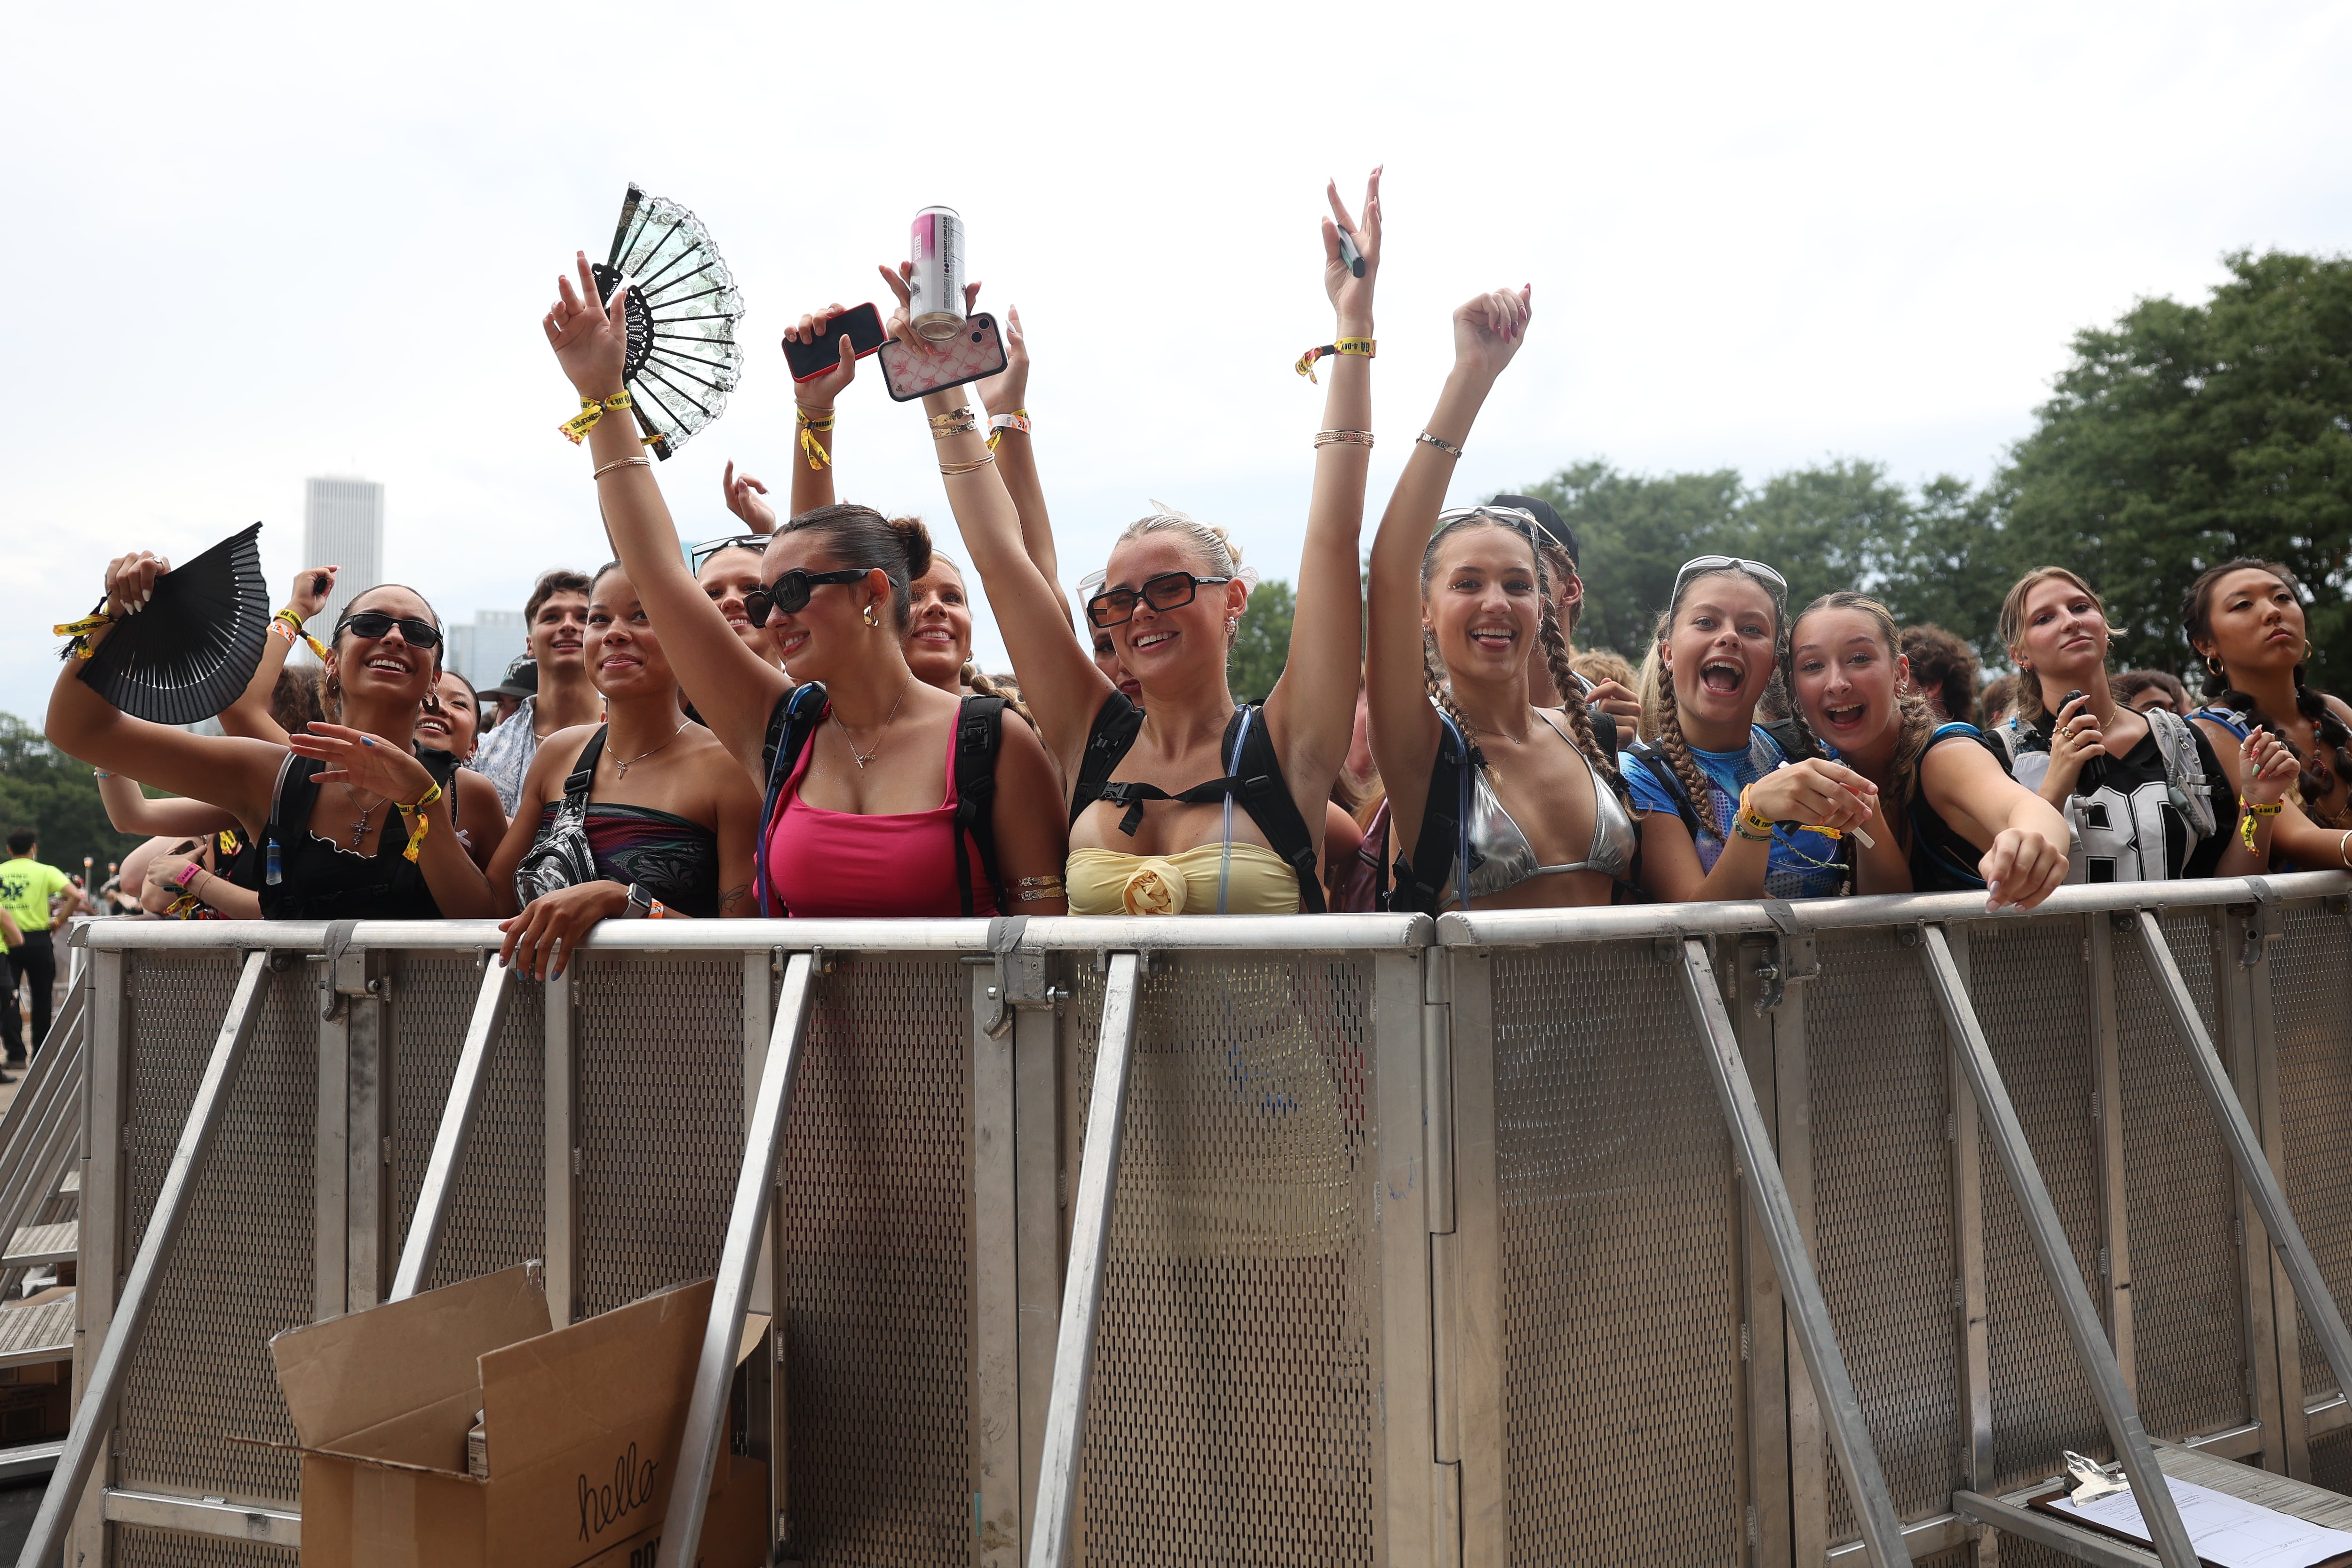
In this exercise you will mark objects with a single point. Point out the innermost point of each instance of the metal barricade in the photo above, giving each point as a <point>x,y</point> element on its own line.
<point>1610,1236</point>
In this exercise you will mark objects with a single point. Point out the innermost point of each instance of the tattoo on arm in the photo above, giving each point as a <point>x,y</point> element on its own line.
<point>733,898</point>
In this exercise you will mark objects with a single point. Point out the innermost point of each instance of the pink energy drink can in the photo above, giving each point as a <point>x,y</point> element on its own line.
<point>935,246</point>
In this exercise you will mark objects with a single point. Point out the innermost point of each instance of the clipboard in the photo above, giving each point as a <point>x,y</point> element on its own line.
<point>2045,1502</point>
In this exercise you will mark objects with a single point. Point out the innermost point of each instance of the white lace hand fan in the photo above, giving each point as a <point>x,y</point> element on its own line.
<point>682,310</point>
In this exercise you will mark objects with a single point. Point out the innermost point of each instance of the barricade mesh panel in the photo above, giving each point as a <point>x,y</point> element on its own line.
<point>432,997</point>
<point>244,1266</point>
<point>1621,1317</point>
<point>2029,982</point>
<point>2018,1552</point>
<point>1877,1077</point>
<point>2187,1285</point>
<point>660,1126</point>
<point>1231,1419</point>
<point>136,1546</point>
<point>497,1207</point>
<point>2331,1460</point>
<point>876,1281</point>
<point>2308,972</point>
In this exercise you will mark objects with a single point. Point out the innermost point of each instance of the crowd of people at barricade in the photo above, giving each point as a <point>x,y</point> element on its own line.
<point>788,720</point>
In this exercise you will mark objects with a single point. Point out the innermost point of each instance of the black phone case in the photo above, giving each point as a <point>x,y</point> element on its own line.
<point>809,361</point>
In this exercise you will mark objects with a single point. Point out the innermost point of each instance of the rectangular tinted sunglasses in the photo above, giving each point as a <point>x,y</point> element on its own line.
<point>1168,591</point>
<point>373,624</point>
<point>697,554</point>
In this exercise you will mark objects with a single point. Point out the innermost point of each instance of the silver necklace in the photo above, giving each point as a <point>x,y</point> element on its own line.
<point>359,828</point>
<point>641,756</point>
<point>862,758</point>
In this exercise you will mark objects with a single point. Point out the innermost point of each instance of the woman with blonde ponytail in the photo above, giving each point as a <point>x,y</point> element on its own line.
<point>1494,804</point>
<point>1957,821</point>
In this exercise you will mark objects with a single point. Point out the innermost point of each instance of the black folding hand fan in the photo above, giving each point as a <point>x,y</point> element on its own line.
<point>194,646</point>
<point>682,310</point>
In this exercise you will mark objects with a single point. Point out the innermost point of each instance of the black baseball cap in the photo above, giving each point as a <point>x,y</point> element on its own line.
<point>522,680</point>
<point>1547,518</point>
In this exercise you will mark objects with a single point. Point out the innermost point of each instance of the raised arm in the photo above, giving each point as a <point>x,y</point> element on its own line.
<point>234,773</point>
<point>733,688</point>
<point>1488,331</point>
<point>1057,674</point>
<point>814,400</point>
<point>1006,398</point>
<point>250,714</point>
<point>1311,711</point>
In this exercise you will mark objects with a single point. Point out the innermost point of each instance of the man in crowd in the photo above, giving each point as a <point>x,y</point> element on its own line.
<point>557,615</point>
<point>521,681</point>
<point>25,888</point>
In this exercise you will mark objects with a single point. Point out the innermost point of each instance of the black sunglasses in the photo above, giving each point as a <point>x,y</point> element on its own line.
<point>789,592</point>
<point>1169,591</point>
<point>373,624</point>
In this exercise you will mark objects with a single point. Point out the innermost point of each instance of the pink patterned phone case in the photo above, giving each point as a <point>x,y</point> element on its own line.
<point>975,352</point>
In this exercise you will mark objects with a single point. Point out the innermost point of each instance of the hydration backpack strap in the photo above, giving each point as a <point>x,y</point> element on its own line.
<point>584,776</point>
<point>979,734</point>
<point>1262,790</point>
<point>1445,836</point>
<point>789,723</point>
<point>2184,770</point>
<point>1671,781</point>
<point>1117,723</point>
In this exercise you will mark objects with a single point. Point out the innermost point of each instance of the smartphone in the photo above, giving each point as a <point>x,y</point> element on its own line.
<point>809,361</point>
<point>320,582</point>
<point>974,354</point>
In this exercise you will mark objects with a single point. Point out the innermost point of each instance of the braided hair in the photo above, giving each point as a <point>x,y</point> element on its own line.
<point>1917,718</point>
<point>1669,742</point>
<point>973,680</point>
<point>1549,637</point>
<point>2330,756</point>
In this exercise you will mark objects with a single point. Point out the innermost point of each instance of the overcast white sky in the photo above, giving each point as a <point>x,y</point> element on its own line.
<point>254,243</point>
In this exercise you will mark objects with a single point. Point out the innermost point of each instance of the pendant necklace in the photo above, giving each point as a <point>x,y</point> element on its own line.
<point>641,756</point>
<point>862,758</point>
<point>359,828</point>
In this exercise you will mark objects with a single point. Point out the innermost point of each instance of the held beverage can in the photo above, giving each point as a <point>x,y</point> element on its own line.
<point>936,247</point>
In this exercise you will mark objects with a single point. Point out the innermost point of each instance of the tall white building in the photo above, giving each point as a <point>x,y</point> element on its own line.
<point>343,525</point>
<point>481,649</point>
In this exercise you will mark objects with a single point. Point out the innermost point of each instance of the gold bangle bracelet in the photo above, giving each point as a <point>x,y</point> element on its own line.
<point>954,422</point>
<point>952,469</point>
<point>1342,439</point>
<point>622,463</point>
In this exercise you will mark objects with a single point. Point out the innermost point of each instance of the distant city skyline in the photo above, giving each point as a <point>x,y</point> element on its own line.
<point>480,650</point>
<point>342,526</point>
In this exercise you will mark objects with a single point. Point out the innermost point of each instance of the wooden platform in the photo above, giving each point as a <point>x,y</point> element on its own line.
<point>38,1243</point>
<point>2010,1514</point>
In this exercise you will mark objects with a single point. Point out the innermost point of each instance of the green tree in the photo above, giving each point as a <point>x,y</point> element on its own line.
<point>1951,564</point>
<point>44,789</point>
<point>2185,435</point>
<point>1633,531</point>
<point>1261,643</point>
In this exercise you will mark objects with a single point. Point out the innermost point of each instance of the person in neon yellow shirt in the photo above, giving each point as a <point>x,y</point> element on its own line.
<point>27,887</point>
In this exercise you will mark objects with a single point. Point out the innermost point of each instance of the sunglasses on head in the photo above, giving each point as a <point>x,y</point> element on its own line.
<point>1168,591</point>
<point>373,624</point>
<point>789,592</point>
<point>698,555</point>
<point>1700,565</point>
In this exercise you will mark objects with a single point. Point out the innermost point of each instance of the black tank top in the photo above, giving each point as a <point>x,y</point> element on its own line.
<point>320,880</point>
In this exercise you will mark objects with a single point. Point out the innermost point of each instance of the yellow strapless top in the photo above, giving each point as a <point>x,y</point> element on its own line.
<point>1105,882</point>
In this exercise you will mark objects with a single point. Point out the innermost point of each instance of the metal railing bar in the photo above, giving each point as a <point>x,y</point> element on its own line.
<point>1808,1311</point>
<point>1921,1536</point>
<point>2075,1309</point>
<point>746,1224</point>
<point>94,1419</point>
<point>203,1516</point>
<point>1287,933</point>
<point>41,1155</point>
<point>2043,1530</point>
<point>456,1130</point>
<point>2253,1166</point>
<point>1074,1355</point>
<point>1645,923</point>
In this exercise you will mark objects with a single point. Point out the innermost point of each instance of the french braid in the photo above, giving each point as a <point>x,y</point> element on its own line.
<point>1676,750</point>
<point>1554,642</point>
<point>972,678</point>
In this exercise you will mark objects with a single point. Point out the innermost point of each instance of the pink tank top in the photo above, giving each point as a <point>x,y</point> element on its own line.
<point>835,864</point>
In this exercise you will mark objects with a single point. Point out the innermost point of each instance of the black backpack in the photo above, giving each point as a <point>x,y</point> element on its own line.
<point>979,736</point>
<point>1255,782</point>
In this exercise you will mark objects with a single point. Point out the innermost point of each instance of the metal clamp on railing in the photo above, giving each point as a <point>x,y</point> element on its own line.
<point>2267,925</point>
<point>1793,961</point>
<point>1020,979</point>
<point>347,973</point>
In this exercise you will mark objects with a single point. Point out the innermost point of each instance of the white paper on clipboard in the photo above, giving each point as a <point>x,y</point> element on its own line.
<point>2224,1529</point>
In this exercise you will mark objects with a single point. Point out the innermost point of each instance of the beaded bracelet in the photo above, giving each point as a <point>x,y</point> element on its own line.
<point>1342,439</point>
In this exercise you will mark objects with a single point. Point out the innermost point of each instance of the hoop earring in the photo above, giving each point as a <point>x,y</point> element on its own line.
<point>870,620</point>
<point>2213,665</point>
<point>2306,650</point>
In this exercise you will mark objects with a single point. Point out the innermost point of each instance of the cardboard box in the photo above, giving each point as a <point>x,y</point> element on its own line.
<point>583,1427</point>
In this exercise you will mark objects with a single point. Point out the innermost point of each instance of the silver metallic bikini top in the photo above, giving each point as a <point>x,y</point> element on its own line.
<point>1500,856</point>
